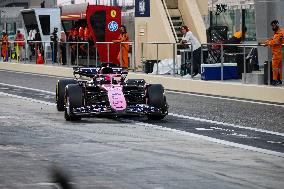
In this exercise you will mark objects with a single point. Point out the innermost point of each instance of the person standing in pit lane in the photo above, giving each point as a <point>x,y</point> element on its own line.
<point>275,43</point>
<point>123,37</point>
<point>4,46</point>
<point>19,42</point>
<point>187,39</point>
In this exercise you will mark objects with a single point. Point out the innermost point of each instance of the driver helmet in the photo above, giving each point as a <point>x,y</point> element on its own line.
<point>108,77</point>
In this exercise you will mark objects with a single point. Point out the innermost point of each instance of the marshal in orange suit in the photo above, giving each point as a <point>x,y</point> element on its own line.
<point>4,46</point>
<point>276,47</point>
<point>123,37</point>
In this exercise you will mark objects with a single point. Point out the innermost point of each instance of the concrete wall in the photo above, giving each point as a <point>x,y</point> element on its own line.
<point>11,15</point>
<point>203,7</point>
<point>155,28</point>
<point>172,4</point>
<point>192,17</point>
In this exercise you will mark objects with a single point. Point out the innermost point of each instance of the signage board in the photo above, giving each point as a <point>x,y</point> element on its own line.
<point>142,8</point>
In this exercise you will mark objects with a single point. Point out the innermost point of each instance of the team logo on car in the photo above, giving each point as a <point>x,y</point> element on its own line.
<point>113,13</point>
<point>112,26</point>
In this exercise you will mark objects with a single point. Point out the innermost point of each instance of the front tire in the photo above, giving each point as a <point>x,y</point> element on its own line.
<point>73,99</point>
<point>60,92</point>
<point>156,98</point>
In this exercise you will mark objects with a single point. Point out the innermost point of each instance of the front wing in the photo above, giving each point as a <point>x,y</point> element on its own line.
<point>138,109</point>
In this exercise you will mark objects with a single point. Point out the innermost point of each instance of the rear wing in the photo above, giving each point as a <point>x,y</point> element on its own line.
<point>93,71</point>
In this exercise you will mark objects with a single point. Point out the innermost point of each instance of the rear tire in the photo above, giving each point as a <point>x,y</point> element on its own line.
<point>73,99</point>
<point>60,92</point>
<point>156,98</point>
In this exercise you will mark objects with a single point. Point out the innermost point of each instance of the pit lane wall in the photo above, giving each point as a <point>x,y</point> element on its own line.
<point>237,90</point>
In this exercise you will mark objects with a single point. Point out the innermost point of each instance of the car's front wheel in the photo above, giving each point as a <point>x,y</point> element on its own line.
<point>156,98</point>
<point>73,99</point>
<point>60,92</point>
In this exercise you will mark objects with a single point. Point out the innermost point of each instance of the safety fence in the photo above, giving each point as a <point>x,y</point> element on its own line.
<point>65,53</point>
<point>242,56</point>
<point>29,51</point>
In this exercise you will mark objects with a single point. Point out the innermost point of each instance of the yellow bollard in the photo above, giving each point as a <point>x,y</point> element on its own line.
<point>17,51</point>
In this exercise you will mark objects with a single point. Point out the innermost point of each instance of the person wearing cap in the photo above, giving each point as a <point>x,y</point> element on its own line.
<point>275,43</point>
<point>237,52</point>
<point>4,46</point>
<point>240,34</point>
<point>235,39</point>
<point>20,43</point>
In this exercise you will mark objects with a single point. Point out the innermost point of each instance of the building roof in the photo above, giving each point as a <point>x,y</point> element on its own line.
<point>230,2</point>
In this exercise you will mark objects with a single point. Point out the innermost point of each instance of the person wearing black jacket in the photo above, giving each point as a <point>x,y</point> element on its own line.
<point>38,45</point>
<point>54,45</point>
<point>236,39</point>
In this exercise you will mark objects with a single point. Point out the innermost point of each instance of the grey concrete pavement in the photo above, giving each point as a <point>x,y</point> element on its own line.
<point>103,153</point>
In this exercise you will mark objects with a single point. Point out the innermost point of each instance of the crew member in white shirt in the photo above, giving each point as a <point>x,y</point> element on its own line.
<point>190,40</point>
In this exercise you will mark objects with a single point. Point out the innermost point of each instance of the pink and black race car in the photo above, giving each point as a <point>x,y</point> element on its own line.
<point>108,93</point>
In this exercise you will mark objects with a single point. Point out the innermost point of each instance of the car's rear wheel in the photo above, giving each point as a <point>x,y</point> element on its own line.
<point>156,98</point>
<point>60,92</point>
<point>73,99</point>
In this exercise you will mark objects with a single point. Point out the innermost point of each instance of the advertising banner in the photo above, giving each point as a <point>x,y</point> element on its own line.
<point>142,8</point>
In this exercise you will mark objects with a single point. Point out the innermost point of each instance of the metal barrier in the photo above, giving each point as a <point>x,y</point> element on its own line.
<point>70,50</point>
<point>13,50</point>
<point>30,47</point>
<point>131,65</point>
<point>244,47</point>
<point>48,48</point>
<point>184,55</point>
<point>222,52</point>
<point>174,54</point>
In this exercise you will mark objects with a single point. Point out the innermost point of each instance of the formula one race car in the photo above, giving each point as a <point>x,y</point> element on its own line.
<point>104,91</point>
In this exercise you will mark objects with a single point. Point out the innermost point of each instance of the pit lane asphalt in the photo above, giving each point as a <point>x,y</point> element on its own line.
<point>106,153</point>
<point>244,114</point>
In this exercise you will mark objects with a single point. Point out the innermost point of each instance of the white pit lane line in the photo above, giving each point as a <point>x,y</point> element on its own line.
<point>224,124</point>
<point>227,98</point>
<point>28,99</point>
<point>206,138</point>
<point>20,87</point>
<point>38,74</point>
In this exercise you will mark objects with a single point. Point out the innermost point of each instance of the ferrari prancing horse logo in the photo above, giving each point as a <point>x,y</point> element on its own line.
<point>113,13</point>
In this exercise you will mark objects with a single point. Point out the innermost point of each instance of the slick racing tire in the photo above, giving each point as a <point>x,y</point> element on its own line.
<point>60,92</point>
<point>157,99</point>
<point>73,99</point>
